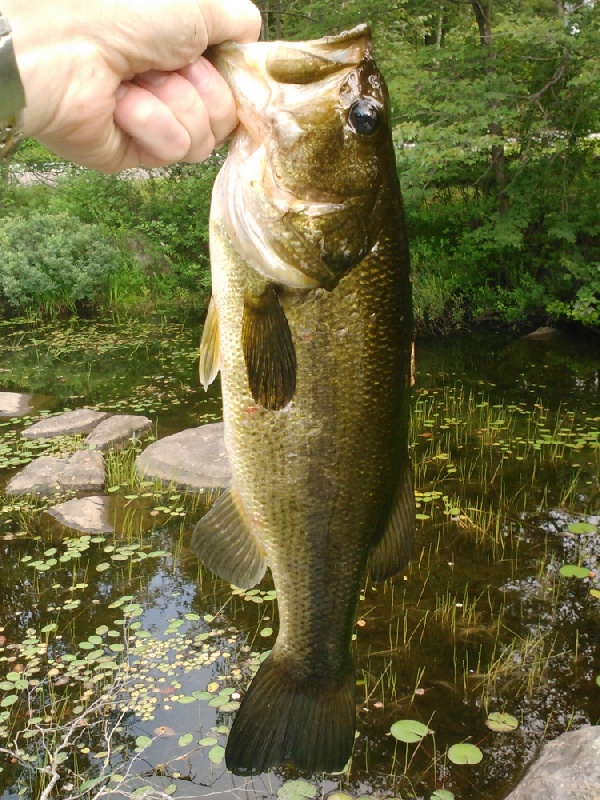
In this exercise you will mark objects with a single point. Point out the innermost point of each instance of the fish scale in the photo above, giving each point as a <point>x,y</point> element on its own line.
<point>321,484</point>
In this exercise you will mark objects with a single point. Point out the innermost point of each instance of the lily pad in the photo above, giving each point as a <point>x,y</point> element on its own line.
<point>465,753</point>
<point>208,741</point>
<point>501,722</point>
<point>142,742</point>
<point>216,754</point>
<point>573,571</point>
<point>582,527</point>
<point>297,790</point>
<point>442,794</point>
<point>409,730</point>
<point>185,739</point>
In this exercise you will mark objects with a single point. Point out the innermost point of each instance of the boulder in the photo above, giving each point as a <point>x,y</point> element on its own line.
<point>193,459</point>
<point>87,514</point>
<point>82,420</point>
<point>82,471</point>
<point>13,404</point>
<point>543,334</point>
<point>114,432</point>
<point>567,769</point>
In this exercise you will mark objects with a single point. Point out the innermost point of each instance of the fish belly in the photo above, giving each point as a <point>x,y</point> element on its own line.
<point>316,478</point>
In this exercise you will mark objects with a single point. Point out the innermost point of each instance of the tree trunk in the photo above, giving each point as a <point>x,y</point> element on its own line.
<point>277,15</point>
<point>440,28</point>
<point>483,15</point>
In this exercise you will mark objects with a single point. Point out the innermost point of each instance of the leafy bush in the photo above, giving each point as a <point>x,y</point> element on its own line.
<point>169,207</point>
<point>54,262</point>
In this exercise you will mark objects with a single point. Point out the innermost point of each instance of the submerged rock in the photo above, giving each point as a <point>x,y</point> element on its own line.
<point>117,430</point>
<point>567,769</point>
<point>544,333</point>
<point>83,420</point>
<point>192,459</point>
<point>87,514</point>
<point>82,471</point>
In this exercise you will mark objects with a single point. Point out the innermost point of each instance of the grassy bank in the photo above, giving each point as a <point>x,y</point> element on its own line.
<point>84,241</point>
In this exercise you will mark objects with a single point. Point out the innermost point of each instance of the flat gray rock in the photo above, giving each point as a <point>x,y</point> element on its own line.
<point>13,404</point>
<point>114,432</point>
<point>87,514</point>
<point>193,459</point>
<point>82,420</point>
<point>567,769</point>
<point>543,334</point>
<point>82,471</point>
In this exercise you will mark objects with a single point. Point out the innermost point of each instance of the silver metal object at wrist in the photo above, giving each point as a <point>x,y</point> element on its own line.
<point>12,95</point>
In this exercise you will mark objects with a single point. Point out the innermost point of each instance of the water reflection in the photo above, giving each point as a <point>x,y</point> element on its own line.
<point>482,620</point>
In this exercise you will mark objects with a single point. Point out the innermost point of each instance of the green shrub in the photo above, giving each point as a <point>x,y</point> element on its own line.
<point>54,262</point>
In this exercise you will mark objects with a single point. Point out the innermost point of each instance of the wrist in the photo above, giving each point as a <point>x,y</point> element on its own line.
<point>12,96</point>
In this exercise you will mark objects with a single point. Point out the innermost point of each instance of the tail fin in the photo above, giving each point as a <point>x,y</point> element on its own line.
<point>308,723</point>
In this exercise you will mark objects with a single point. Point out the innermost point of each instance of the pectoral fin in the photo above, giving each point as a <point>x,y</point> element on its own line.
<point>223,542</point>
<point>268,350</point>
<point>209,347</point>
<point>392,551</point>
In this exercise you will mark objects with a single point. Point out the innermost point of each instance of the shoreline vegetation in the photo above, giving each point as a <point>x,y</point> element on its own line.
<point>495,117</point>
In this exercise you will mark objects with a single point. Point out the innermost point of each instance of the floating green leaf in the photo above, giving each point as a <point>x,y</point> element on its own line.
<point>442,794</point>
<point>185,739</point>
<point>582,527</point>
<point>501,722</point>
<point>465,753</point>
<point>216,754</point>
<point>409,730</point>
<point>573,571</point>
<point>9,700</point>
<point>208,741</point>
<point>230,707</point>
<point>297,790</point>
<point>142,742</point>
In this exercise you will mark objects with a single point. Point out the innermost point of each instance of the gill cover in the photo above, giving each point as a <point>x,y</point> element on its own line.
<point>298,192</point>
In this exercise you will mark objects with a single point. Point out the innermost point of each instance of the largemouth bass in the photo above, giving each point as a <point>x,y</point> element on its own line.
<point>311,326</point>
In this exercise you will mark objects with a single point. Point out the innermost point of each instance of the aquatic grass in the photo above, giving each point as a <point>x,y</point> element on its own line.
<point>521,666</point>
<point>456,629</point>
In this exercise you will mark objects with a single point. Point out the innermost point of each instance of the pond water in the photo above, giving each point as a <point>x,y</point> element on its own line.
<point>122,660</point>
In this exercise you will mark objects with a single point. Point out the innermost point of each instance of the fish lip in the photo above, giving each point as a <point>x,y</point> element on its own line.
<point>251,69</point>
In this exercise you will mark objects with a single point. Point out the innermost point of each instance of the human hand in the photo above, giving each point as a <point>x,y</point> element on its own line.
<point>113,84</point>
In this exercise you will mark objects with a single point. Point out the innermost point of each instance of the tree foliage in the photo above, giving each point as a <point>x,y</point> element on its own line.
<point>495,109</point>
<point>496,121</point>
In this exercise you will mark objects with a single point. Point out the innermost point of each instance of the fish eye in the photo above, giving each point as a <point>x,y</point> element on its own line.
<point>365,116</point>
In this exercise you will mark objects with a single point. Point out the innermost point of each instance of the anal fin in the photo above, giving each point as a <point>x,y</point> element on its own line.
<point>208,365</point>
<point>223,542</point>
<point>391,553</point>
<point>268,350</point>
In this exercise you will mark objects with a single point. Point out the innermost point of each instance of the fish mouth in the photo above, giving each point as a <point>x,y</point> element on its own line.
<point>271,82</point>
<point>257,73</point>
